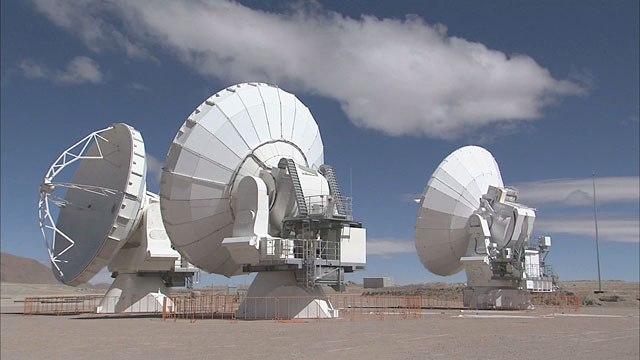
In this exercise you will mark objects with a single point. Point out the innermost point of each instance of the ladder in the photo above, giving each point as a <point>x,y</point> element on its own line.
<point>297,188</point>
<point>334,189</point>
<point>309,255</point>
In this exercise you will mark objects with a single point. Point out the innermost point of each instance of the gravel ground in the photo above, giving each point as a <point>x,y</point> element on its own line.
<point>606,329</point>
<point>593,333</point>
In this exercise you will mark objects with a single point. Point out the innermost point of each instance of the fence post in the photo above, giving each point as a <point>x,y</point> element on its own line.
<point>164,308</point>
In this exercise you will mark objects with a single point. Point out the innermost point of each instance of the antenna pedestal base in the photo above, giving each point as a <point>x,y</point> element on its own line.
<point>277,295</point>
<point>493,298</point>
<point>134,293</point>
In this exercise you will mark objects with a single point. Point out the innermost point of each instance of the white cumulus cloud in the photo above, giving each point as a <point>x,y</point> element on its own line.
<point>617,229</point>
<point>33,70</point>
<point>83,18</point>
<point>154,167</point>
<point>398,76</point>
<point>137,86</point>
<point>390,246</point>
<point>79,70</point>
<point>580,191</point>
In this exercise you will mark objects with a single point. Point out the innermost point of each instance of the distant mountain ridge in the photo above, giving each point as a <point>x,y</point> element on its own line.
<point>18,269</point>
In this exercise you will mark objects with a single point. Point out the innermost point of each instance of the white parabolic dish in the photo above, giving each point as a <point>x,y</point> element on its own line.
<point>451,196</point>
<point>235,133</point>
<point>101,205</point>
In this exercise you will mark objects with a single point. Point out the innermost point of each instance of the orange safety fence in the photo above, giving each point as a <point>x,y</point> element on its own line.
<point>528,302</point>
<point>556,301</point>
<point>288,307</point>
<point>202,306</point>
<point>85,304</point>
<point>129,305</point>
<point>61,305</point>
<point>381,307</point>
<point>441,302</point>
<point>221,306</point>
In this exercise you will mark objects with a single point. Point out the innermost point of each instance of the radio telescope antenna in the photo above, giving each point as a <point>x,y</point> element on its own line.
<point>468,219</point>
<point>86,221</point>
<point>244,189</point>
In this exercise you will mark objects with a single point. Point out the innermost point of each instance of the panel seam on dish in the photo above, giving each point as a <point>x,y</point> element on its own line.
<point>191,177</point>
<point>214,135</point>
<point>200,155</point>
<point>452,189</point>
<point>266,115</point>
<point>314,139</point>
<point>204,237</point>
<point>226,260</point>
<point>280,113</point>
<point>232,124</point>
<point>192,220</point>
<point>251,119</point>
<point>295,114</point>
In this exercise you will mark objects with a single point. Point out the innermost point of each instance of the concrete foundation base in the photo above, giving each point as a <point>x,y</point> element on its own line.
<point>277,295</point>
<point>492,298</point>
<point>131,293</point>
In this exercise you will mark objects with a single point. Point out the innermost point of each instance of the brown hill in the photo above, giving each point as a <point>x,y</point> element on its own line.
<point>18,269</point>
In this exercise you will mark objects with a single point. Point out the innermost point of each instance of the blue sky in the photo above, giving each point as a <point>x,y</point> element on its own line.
<point>550,88</point>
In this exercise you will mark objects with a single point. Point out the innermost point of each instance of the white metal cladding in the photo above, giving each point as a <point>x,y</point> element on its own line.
<point>101,206</point>
<point>452,194</point>
<point>231,135</point>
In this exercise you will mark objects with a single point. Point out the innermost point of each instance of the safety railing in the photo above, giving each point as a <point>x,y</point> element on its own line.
<point>84,304</point>
<point>447,301</point>
<point>381,307</point>
<point>240,307</point>
<point>130,305</point>
<point>539,272</point>
<point>290,307</point>
<point>526,302</point>
<point>326,206</point>
<point>214,306</point>
<point>556,301</point>
<point>61,305</point>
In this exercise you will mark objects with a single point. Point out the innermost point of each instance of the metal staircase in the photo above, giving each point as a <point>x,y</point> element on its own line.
<point>293,174</point>
<point>315,268</point>
<point>309,255</point>
<point>334,189</point>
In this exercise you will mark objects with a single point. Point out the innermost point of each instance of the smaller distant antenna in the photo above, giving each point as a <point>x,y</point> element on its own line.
<point>595,216</point>
<point>467,219</point>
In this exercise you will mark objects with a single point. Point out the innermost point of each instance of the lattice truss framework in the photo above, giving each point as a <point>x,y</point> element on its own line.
<point>50,233</point>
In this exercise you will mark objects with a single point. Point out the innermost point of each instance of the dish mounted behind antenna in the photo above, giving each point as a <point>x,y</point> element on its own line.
<point>101,205</point>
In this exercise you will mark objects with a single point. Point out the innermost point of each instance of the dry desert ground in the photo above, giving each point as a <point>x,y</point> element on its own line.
<point>608,330</point>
